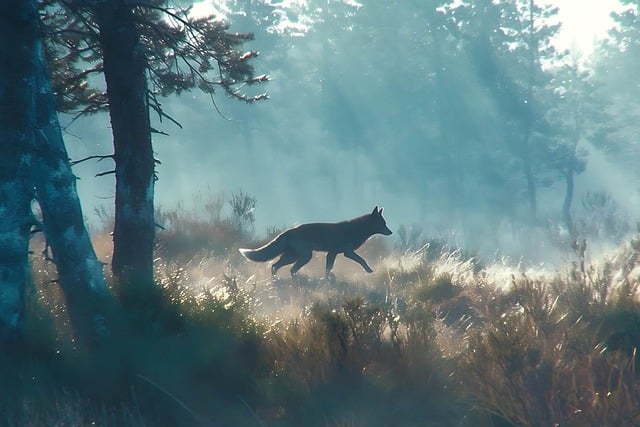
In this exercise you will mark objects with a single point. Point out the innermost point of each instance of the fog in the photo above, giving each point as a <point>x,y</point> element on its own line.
<point>387,105</point>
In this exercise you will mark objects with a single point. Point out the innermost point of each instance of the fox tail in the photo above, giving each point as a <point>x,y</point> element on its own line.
<point>266,252</point>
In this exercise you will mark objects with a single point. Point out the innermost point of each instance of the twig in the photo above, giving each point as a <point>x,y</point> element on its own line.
<point>100,158</point>
<point>175,399</point>
<point>260,423</point>
<point>159,132</point>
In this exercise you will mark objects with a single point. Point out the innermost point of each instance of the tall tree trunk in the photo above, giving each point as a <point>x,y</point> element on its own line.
<point>33,155</point>
<point>529,177</point>
<point>124,69</point>
<point>18,35</point>
<point>80,272</point>
<point>568,200</point>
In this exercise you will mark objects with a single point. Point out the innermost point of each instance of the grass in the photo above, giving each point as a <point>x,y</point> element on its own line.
<point>429,339</point>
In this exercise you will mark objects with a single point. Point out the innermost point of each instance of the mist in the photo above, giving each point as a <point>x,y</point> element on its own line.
<point>383,106</point>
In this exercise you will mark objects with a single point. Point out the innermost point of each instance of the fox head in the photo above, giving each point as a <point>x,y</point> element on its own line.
<point>380,225</point>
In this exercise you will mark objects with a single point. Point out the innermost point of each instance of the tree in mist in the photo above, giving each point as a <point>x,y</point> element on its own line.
<point>407,52</point>
<point>485,40</point>
<point>517,46</point>
<point>448,130</point>
<point>35,158</point>
<point>535,47</point>
<point>337,113</point>
<point>579,115</point>
<point>403,75</point>
<point>147,50</point>
<point>616,70</point>
<point>463,143</point>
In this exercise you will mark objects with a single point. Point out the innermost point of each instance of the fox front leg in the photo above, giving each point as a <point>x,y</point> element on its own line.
<point>357,258</point>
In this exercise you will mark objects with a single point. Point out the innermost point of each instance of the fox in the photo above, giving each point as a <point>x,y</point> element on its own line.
<point>296,245</point>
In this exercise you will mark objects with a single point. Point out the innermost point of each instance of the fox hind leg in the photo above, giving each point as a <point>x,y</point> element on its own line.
<point>303,258</point>
<point>286,259</point>
<point>331,259</point>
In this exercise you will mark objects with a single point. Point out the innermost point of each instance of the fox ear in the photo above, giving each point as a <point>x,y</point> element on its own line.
<point>380,211</point>
<point>375,211</point>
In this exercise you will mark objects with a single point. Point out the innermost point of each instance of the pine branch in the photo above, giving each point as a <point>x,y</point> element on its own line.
<point>100,158</point>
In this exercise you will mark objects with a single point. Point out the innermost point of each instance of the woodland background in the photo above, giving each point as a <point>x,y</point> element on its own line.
<point>508,295</point>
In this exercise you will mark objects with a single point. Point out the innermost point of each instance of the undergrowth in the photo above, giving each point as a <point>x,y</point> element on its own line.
<point>430,339</point>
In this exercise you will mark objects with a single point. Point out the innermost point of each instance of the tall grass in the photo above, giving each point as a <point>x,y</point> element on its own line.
<point>433,338</point>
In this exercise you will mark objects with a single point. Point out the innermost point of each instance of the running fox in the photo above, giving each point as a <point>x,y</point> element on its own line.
<point>297,244</point>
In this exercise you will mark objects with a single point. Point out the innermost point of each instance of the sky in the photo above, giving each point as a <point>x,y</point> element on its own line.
<point>584,22</point>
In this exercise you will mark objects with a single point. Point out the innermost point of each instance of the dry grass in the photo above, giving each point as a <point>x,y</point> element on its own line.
<point>430,338</point>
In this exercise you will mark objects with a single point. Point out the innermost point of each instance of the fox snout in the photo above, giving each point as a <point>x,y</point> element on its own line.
<point>385,230</point>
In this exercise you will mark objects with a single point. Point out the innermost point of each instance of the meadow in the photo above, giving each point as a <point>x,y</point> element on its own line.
<point>434,337</point>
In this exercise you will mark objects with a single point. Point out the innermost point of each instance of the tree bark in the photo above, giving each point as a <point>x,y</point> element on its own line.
<point>34,156</point>
<point>124,69</point>
<point>80,273</point>
<point>18,35</point>
<point>568,200</point>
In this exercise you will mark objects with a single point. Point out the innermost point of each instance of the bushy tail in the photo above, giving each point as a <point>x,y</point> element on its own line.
<point>266,252</point>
